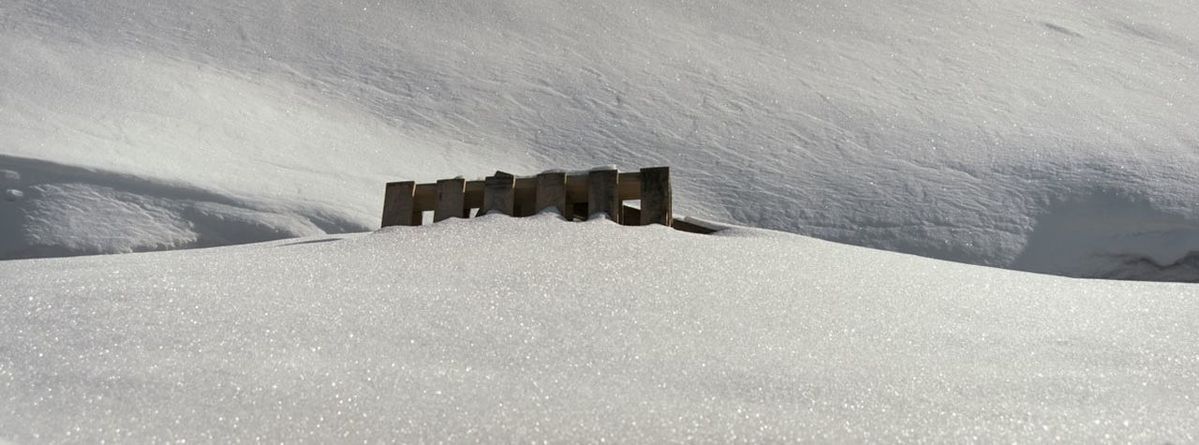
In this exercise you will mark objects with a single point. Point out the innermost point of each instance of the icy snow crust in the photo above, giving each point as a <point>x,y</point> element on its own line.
<point>983,132</point>
<point>506,330</point>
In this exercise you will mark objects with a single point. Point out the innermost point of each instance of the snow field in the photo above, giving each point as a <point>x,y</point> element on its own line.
<point>1055,137</point>
<point>500,329</point>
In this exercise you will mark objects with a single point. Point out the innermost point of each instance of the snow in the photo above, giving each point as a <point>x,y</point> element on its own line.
<point>64,210</point>
<point>1054,137</point>
<point>534,329</point>
<point>974,132</point>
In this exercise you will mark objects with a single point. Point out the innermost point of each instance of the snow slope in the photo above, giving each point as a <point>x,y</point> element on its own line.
<point>533,329</point>
<point>981,132</point>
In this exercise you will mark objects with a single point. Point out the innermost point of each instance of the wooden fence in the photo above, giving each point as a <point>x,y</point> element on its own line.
<point>574,196</point>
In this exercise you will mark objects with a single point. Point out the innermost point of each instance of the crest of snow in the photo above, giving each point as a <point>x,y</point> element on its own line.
<point>517,330</point>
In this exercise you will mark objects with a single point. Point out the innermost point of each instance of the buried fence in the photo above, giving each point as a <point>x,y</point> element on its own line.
<point>574,196</point>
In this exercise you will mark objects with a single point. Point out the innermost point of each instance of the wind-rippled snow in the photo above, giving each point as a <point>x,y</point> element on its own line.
<point>1049,136</point>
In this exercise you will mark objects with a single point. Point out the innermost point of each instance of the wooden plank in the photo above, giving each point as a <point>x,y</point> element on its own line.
<point>630,186</point>
<point>528,184</point>
<point>451,199</point>
<point>677,224</point>
<point>630,216</point>
<point>656,196</point>
<point>685,226</point>
<point>474,194</point>
<point>579,210</point>
<point>525,198</point>
<point>398,204</point>
<point>576,188</point>
<point>499,194</point>
<point>551,192</point>
<point>425,197</point>
<point>603,195</point>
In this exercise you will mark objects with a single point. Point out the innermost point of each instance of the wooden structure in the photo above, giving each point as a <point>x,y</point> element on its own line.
<point>574,196</point>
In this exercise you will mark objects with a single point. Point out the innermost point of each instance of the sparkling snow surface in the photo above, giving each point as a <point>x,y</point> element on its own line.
<point>505,330</point>
<point>1054,136</point>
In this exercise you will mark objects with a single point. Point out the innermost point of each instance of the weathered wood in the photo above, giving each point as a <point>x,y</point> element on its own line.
<point>551,192</point>
<point>579,210</point>
<point>685,226</point>
<point>451,200</point>
<point>656,196</point>
<point>677,224</point>
<point>399,205</point>
<point>603,196</point>
<point>499,195</point>
<point>630,216</point>
<point>525,199</point>
<point>425,197</point>
<point>474,194</point>
<point>576,189</point>
<point>579,196</point>
<point>629,185</point>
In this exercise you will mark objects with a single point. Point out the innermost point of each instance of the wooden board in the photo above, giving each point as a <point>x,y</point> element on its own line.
<point>685,226</point>
<point>628,185</point>
<point>474,194</point>
<point>399,206</point>
<point>603,196</point>
<point>655,196</point>
<point>499,195</point>
<point>551,192</point>
<point>579,210</point>
<point>629,216</point>
<point>680,225</point>
<point>525,200</point>
<point>451,199</point>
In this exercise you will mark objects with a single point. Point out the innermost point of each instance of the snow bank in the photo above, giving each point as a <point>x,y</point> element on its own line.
<point>959,130</point>
<point>56,210</point>
<point>506,330</point>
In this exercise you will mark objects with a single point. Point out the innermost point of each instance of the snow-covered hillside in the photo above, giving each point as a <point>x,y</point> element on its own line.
<point>503,330</point>
<point>1048,136</point>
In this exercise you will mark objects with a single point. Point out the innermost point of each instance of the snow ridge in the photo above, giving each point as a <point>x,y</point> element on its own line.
<point>506,330</point>
<point>56,210</point>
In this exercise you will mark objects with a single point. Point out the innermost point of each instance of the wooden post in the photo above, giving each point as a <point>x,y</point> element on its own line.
<point>399,207</point>
<point>525,197</point>
<point>499,194</point>
<point>580,211</point>
<point>551,192</point>
<point>602,194</point>
<point>629,216</point>
<point>655,196</point>
<point>451,199</point>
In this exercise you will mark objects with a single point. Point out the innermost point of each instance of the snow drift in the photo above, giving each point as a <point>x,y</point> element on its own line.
<point>534,329</point>
<point>975,132</point>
